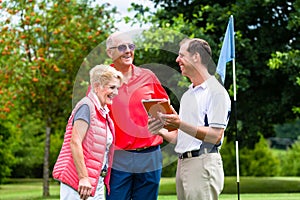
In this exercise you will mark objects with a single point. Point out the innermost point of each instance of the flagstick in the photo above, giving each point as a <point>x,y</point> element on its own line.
<point>227,54</point>
<point>236,142</point>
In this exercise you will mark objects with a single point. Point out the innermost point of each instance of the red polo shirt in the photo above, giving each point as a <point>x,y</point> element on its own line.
<point>128,113</point>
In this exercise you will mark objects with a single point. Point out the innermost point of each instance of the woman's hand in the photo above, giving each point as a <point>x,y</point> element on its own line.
<point>84,188</point>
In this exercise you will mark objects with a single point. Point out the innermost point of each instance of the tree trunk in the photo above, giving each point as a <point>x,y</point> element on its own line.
<point>46,161</point>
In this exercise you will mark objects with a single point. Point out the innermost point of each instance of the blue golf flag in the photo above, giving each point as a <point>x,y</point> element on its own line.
<point>227,51</point>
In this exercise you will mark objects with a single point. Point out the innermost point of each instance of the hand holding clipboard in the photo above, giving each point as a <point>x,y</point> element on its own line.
<point>154,106</point>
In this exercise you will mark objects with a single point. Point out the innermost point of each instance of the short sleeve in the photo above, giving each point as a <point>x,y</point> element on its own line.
<point>83,113</point>
<point>219,111</point>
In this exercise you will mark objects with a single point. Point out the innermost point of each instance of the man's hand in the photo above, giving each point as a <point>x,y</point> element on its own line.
<point>170,119</point>
<point>154,125</point>
<point>84,188</point>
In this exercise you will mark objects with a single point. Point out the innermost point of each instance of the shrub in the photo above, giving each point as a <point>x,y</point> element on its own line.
<point>229,157</point>
<point>259,161</point>
<point>262,160</point>
<point>290,162</point>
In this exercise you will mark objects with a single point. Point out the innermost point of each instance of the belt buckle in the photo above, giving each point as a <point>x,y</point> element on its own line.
<point>141,149</point>
<point>189,154</point>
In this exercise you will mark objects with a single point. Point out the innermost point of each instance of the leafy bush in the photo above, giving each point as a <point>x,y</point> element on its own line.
<point>229,157</point>
<point>260,161</point>
<point>290,165</point>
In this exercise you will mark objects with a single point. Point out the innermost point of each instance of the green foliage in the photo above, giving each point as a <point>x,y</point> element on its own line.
<point>28,149</point>
<point>141,17</point>
<point>261,102</point>
<point>170,169</point>
<point>6,157</point>
<point>289,130</point>
<point>42,44</point>
<point>288,63</point>
<point>290,163</point>
<point>259,161</point>
<point>157,50</point>
<point>56,144</point>
<point>169,160</point>
<point>228,152</point>
<point>51,39</point>
<point>262,161</point>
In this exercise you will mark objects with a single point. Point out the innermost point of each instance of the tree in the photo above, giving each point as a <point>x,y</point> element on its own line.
<point>265,97</point>
<point>42,45</point>
<point>6,157</point>
<point>289,130</point>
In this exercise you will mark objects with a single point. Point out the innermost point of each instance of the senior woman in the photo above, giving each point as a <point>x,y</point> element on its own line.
<point>84,162</point>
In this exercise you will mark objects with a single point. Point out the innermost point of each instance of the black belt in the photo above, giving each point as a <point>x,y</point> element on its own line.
<point>144,149</point>
<point>204,148</point>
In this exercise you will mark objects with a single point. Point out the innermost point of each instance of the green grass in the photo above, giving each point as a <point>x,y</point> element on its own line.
<point>276,196</point>
<point>280,196</point>
<point>28,189</point>
<point>251,188</point>
<point>263,185</point>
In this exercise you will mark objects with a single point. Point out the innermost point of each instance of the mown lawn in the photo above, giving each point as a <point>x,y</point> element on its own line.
<point>247,185</point>
<point>267,188</point>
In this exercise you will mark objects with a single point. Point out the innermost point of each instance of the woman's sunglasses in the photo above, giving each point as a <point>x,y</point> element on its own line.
<point>123,47</point>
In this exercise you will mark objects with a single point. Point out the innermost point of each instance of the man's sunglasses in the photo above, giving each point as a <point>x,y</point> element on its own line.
<point>123,47</point>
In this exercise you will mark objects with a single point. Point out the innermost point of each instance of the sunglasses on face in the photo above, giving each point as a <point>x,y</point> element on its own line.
<point>123,47</point>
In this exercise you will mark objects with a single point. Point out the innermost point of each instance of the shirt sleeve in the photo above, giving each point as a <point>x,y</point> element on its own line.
<point>83,113</point>
<point>159,91</point>
<point>218,114</point>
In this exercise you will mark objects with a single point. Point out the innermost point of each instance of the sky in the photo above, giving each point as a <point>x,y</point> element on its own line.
<point>122,6</point>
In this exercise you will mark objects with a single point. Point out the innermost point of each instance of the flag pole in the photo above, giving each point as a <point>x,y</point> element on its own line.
<point>236,140</point>
<point>228,54</point>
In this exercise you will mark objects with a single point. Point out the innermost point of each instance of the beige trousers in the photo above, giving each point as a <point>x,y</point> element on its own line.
<point>200,178</point>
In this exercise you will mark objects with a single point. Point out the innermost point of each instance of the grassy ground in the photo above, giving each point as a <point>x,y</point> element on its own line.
<point>247,185</point>
<point>267,188</point>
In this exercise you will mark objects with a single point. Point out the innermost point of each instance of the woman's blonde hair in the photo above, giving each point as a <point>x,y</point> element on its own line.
<point>102,74</point>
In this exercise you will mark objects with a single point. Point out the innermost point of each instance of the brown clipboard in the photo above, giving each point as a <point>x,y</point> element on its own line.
<point>153,106</point>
